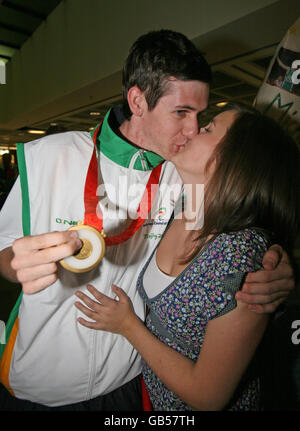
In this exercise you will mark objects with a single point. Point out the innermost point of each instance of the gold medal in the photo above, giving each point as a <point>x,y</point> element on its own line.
<point>91,252</point>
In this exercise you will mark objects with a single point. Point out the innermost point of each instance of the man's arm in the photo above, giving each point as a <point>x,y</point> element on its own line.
<point>30,260</point>
<point>266,289</point>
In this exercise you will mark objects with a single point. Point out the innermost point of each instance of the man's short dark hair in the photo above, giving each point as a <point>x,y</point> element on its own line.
<point>157,56</point>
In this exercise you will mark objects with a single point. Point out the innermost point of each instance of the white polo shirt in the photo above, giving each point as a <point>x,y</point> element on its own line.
<point>55,360</point>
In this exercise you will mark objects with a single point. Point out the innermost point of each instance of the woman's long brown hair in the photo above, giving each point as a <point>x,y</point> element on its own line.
<point>256,181</point>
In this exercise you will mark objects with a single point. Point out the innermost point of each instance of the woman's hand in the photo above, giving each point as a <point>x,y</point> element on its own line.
<point>108,314</point>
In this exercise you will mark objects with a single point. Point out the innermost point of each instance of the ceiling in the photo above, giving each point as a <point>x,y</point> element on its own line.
<point>237,78</point>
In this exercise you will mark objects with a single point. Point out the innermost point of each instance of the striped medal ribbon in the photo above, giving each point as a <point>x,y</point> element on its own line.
<point>91,232</point>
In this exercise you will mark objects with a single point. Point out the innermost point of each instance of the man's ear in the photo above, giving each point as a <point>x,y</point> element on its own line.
<point>136,101</point>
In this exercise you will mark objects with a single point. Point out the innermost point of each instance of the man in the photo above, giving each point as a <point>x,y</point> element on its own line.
<point>56,362</point>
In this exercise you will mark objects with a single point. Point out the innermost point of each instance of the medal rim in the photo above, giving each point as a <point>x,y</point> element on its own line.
<point>101,238</point>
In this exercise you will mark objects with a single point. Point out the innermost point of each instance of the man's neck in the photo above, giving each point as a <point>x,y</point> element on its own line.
<point>126,132</point>
<point>131,131</point>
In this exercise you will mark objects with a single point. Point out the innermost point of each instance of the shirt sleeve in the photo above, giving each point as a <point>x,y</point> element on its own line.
<point>11,217</point>
<point>237,255</point>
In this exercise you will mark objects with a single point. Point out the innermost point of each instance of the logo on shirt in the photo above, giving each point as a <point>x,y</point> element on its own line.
<point>152,235</point>
<point>160,213</point>
<point>160,216</point>
<point>65,221</point>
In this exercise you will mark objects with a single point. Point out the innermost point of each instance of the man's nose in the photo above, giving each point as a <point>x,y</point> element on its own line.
<point>191,128</point>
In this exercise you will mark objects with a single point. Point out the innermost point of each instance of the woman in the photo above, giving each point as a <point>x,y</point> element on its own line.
<point>198,343</point>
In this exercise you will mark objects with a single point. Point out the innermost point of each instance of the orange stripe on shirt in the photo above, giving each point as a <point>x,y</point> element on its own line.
<point>6,358</point>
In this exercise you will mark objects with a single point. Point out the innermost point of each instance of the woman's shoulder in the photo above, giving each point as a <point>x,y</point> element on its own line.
<point>245,238</point>
<point>240,251</point>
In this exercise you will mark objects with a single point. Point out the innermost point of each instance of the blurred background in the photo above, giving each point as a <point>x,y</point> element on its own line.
<point>61,62</point>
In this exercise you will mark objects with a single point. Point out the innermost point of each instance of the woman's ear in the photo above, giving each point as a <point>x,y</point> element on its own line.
<point>136,101</point>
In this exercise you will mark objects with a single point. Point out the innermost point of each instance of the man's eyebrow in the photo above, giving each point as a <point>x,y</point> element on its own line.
<point>191,108</point>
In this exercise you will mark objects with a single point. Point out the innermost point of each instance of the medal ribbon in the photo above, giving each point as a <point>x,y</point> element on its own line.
<point>93,215</point>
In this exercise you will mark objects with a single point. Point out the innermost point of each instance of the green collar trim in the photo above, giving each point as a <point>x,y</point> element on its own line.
<point>120,151</point>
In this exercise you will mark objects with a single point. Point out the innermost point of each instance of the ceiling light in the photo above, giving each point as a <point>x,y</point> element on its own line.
<point>221,104</point>
<point>94,113</point>
<point>3,152</point>
<point>36,132</point>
